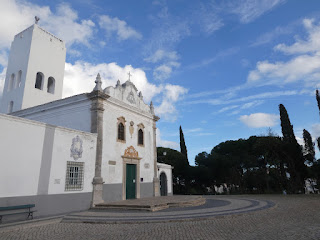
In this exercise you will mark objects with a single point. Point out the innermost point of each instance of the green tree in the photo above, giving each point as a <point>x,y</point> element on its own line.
<point>309,152</point>
<point>183,148</point>
<point>294,156</point>
<point>318,99</point>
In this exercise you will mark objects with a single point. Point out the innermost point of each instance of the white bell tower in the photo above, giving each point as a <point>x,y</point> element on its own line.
<point>35,70</point>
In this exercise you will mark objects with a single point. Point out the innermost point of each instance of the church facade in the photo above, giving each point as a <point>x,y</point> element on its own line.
<point>69,154</point>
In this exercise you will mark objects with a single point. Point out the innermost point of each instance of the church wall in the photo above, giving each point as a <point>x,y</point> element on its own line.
<point>73,112</point>
<point>33,166</point>
<point>113,150</point>
<point>146,189</point>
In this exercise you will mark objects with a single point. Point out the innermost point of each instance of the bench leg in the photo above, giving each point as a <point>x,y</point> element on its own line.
<point>30,215</point>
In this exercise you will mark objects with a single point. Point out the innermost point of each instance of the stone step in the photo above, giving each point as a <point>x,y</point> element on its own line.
<point>136,205</point>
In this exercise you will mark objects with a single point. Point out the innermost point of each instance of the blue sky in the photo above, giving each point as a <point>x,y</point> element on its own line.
<point>217,68</point>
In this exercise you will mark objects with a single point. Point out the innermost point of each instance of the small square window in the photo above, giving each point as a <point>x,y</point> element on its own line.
<point>74,176</point>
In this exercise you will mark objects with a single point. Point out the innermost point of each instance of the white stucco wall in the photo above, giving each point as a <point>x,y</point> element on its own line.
<point>167,169</point>
<point>113,149</point>
<point>31,150</point>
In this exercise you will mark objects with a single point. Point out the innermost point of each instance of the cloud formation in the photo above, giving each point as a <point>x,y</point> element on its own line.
<point>304,65</point>
<point>64,22</point>
<point>169,60</point>
<point>171,95</point>
<point>120,27</point>
<point>249,10</point>
<point>258,120</point>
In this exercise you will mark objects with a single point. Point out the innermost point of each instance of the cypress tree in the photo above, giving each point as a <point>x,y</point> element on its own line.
<point>295,159</point>
<point>183,148</point>
<point>318,142</point>
<point>286,127</point>
<point>318,99</point>
<point>309,151</point>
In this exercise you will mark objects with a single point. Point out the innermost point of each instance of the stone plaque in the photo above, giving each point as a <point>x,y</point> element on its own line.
<point>146,165</point>
<point>112,162</point>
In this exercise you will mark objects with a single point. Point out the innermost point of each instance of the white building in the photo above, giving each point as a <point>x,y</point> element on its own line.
<point>69,154</point>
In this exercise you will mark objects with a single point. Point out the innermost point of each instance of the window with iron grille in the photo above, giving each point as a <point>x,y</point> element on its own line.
<point>74,176</point>
<point>121,135</point>
<point>140,137</point>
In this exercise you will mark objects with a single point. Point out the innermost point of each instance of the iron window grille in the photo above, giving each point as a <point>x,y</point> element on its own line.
<point>121,132</point>
<point>74,176</point>
<point>140,137</point>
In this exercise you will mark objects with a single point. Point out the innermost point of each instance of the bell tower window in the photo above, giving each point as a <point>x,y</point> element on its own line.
<point>51,85</point>
<point>11,83</point>
<point>39,81</point>
<point>19,79</point>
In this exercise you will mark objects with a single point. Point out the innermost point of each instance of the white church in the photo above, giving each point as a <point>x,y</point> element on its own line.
<point>66,155</point>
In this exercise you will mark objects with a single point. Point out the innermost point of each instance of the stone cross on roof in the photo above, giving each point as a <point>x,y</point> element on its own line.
<point>129,75</point>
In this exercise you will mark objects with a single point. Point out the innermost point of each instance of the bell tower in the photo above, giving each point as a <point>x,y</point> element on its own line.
<point>35,70</point>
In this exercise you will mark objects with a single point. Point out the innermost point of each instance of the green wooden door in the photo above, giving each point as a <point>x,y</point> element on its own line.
<point>131,181</point>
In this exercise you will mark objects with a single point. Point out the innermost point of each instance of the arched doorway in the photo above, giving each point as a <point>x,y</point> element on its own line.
<point>163,184</point>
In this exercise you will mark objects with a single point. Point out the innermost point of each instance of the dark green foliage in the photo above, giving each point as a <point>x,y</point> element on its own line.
<point>251,165</point>
<point>318,99</point>
<point>286,127</point>
<point>309,152</point>
<point>183,148</point>
<point>318,142</point>
<point>293,153</point>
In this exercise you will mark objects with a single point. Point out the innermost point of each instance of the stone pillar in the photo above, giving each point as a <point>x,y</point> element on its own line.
<point>97,97</point>
<point>156,182</point>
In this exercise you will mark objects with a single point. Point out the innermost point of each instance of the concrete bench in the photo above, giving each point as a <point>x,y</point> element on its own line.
<point>19,209</point>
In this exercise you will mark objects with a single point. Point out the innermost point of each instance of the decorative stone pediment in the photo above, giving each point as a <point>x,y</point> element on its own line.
<point>130,152</point>
<point>128,93</point>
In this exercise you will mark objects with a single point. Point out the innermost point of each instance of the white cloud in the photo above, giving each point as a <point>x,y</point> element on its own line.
<point>120,27</point>
<point>2,80</point>
<point>310,45</point>
<point>161,54</point>
<point>3,58</point>
<point>302,68</point>
<point>249,10</point>
<point>209,18</point>
<point>165,143</point>
<point>169,60</point>
<point>172,94</point>
<point>258,120</point>
<point>18,15</point>
<point>162,72</point>
<point>80,78</point>
<point>315,130</point>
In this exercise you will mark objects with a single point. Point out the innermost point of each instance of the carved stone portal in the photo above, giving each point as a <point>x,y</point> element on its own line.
<point>130,152</point>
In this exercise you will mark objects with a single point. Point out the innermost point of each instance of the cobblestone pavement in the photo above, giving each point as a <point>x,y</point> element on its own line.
<point>293,217</point>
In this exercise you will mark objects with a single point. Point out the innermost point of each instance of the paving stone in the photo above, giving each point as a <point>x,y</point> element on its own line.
<point>292,217</point>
